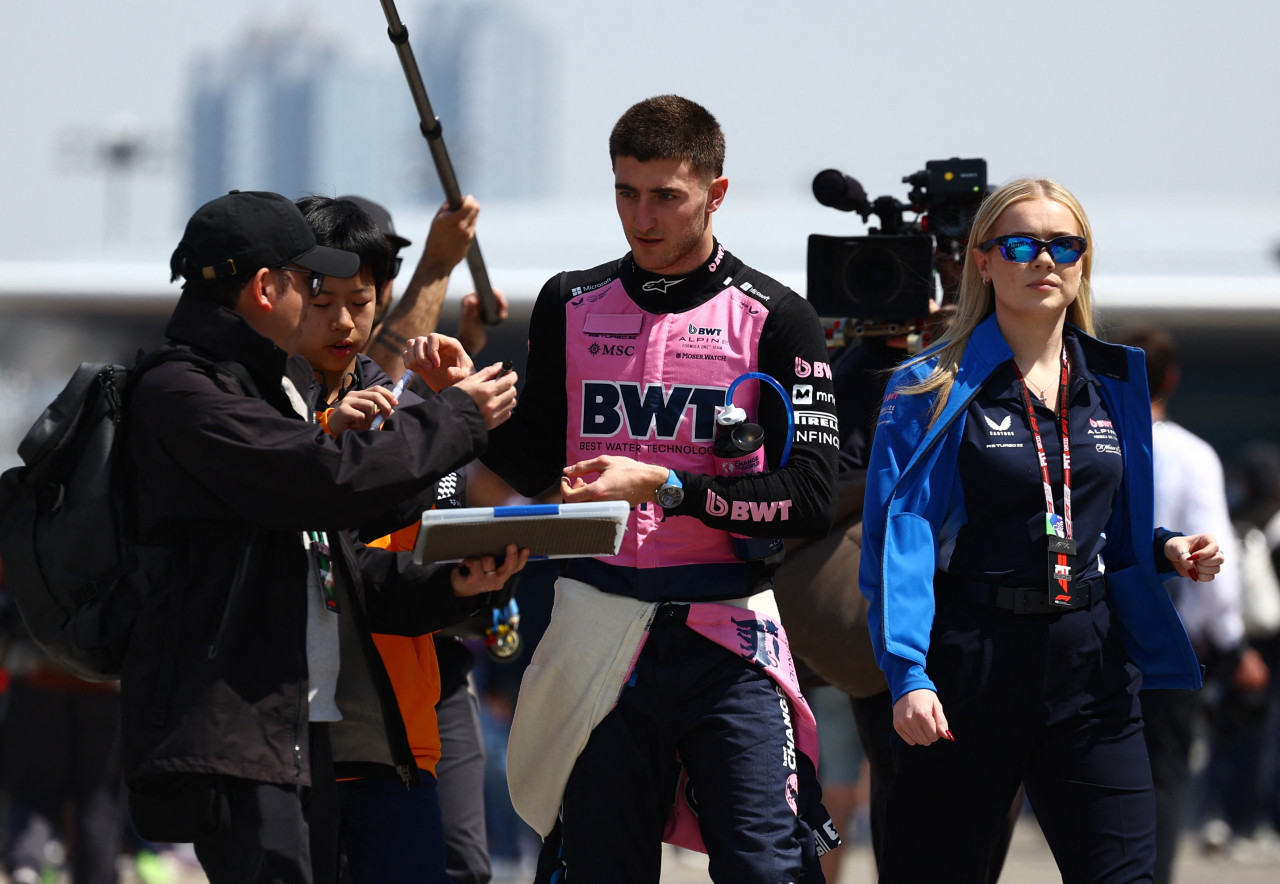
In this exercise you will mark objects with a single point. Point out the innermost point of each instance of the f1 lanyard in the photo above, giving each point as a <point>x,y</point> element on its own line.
<point>1053,526</point>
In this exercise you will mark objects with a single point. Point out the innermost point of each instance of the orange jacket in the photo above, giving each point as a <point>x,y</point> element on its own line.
<point>411,665</point>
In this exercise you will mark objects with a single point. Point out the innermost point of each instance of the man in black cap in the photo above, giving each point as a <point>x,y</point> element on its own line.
<point>234,664</point>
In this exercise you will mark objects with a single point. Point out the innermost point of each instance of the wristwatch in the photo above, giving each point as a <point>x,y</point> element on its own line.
<point>670,494</point>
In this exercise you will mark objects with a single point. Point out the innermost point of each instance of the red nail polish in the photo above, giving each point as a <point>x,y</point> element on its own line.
<point>948,736</point>
<point>1195,575</point>
<point>1195,557</point>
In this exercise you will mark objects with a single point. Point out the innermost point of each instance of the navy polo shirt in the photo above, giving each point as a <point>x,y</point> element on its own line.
<point>1003,540</point>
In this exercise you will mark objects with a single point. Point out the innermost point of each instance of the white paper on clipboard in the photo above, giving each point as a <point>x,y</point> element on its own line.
<point>550,531</point>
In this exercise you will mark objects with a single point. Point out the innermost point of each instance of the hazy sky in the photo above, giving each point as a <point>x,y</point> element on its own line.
<point>1173,100</point>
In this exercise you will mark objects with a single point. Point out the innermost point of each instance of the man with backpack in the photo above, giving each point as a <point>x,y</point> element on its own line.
<point>256,630</point>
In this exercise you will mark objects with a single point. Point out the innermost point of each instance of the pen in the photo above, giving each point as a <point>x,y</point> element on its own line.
<point>395,391</point>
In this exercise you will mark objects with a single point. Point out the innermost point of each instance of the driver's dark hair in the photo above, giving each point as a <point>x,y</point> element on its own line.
<point>668,127</point>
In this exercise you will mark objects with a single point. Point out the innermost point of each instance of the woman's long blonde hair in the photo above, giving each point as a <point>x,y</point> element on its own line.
<point>976,301</point>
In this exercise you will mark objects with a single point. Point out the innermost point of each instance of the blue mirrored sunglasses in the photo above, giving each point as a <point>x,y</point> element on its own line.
<point>1020,248</point>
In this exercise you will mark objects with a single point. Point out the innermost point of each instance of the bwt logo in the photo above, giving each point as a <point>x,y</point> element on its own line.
<point>704,332</point>
<point>715,262</point>
<point>611,406</point>
<point>748,510</point>
<point>816,369</point>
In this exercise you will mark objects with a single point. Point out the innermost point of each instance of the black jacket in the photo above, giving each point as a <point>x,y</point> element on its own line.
<point>218,468</point>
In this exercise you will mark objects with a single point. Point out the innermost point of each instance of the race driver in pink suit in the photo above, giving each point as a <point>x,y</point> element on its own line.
<point>699,734</point>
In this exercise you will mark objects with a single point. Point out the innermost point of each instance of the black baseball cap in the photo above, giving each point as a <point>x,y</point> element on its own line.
<point>381,217</point>
<point>243,231</point>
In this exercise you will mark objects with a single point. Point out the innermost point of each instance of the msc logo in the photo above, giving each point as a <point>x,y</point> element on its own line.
<point>610,407</point>
<point>611,349</point>
<point>704,332</point>
<point>816,369</point>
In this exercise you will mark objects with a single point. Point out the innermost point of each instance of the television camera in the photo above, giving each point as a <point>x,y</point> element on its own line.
<point>883,283</point>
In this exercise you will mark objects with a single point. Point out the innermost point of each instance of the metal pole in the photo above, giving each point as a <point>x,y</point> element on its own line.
<point>433,132</point>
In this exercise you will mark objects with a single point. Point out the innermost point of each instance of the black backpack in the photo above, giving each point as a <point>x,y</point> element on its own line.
<point>67,539</point>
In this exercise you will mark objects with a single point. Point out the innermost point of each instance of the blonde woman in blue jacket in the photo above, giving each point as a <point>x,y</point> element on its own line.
<point>1016,602</point>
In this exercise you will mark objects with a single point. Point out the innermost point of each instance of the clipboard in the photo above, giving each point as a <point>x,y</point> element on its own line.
<point>550,531</point>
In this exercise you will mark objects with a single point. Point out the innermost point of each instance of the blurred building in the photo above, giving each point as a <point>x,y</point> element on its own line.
<point>294,112</point>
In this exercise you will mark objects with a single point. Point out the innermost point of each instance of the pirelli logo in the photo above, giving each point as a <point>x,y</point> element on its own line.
<point>823,419</point>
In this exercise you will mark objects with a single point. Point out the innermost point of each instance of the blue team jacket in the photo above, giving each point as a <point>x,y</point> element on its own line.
<point>913,493</point>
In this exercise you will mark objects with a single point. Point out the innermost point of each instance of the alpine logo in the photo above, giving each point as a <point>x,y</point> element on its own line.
<point>661,285</point>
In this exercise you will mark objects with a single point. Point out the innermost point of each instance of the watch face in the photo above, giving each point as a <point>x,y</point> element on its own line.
<point>670,496</point>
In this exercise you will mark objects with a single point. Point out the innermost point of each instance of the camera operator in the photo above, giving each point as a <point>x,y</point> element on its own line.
<point>895,290</point>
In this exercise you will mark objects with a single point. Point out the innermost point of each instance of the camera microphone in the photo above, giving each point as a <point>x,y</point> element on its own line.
<point>839,191</point>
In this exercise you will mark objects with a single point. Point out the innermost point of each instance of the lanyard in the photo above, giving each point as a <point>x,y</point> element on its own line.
<point>1053,526</point>
<point>320,555</point>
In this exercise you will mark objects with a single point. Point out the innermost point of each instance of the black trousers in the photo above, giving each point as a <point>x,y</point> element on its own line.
<point>460,782</point>
<point>873,717</point>
<point>1169,727</point>
<point>725,720</point>
<point>278,834</point>
<point>1048,701</point>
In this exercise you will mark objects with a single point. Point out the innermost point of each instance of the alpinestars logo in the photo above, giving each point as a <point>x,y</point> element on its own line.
<point>661,285</point>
